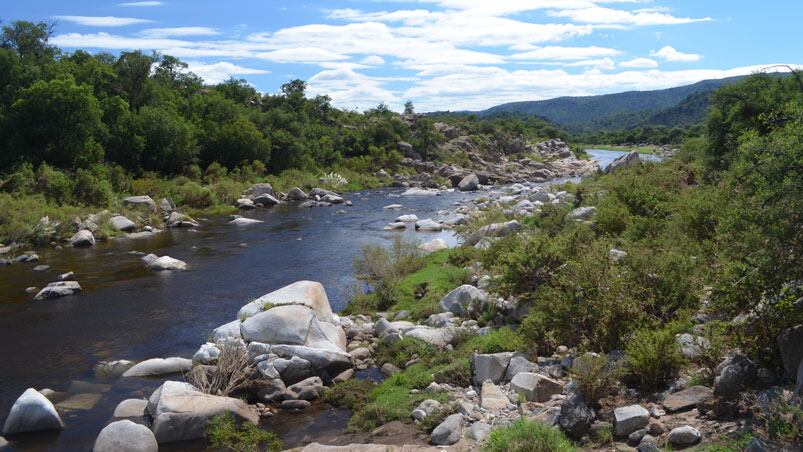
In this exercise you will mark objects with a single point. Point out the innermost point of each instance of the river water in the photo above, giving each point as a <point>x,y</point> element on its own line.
<point>127,312</point>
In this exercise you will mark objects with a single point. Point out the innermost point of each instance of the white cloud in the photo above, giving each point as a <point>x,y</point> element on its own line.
<point>669,53</point>
<point>352,90</point>
<point>219,72</point>
<point>102,21</point>
<point>566,53</point>
<point>301,55</point>
<point>639,63</point>
<point>178,32</point>
<point>601,15</point>
<point>141,4</point>
<point>373,60</point>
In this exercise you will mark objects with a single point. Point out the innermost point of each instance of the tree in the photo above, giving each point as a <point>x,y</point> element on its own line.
<point>56,122</point>
<point>409,109</point>
<point>133,70</point>
<point>235,142</point>
<point>29,40</point>
<point>166,139</point>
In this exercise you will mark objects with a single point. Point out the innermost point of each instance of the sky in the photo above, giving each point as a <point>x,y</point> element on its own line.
<point>440,54</point>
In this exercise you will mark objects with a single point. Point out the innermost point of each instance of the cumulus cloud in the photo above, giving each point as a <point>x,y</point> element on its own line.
<point>566,53</point>
<point>221,71</point>
<point>669,53</point>
<point>639,63</point>
<point>179,32</point>
<point>373,60</point>
<point>102,21</point>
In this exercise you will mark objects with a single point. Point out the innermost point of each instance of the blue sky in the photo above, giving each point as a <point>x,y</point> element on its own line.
<point>441,54</point>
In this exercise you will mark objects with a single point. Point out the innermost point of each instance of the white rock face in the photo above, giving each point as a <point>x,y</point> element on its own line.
<point>164,263</point>
<point>32,412</point>
<point>125,436</point>
<point>307,293</point>
<point>82,238</point>
<point>291,324</point>
<point>490,367</point>
<point>58,289</point>
<point>420,192</point>
<point>130,408</point>
<point>395,226</point>
<point>628,419</point>
<point>434,245</point>
<point>180,412</point>
<point>158,366</point>
<point>225,331</point>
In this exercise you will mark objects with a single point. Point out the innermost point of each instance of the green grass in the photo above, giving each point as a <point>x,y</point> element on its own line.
<point>421,292</point>
<point>528,436</point>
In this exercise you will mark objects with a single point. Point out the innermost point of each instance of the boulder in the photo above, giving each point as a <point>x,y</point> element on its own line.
<point>478,431</point>
<point>688,398</point>
<point>125,436</point>
<point>582,213</point>
<point>307,389</point>
<point>433,246</point>
<point>733,374</point>
<point>411,218</point>
<point>256,190</point>
<point>425,408</point>
<point>625,161</point>
<point>131,408</point>
<point>490,367</point>
<point>295,405</point>
<point>428,225</point>
<point>535,387</point>
<point>448,432</point>
<point>158,366</point>
<point>290,324</point>
<point>395,226</point>
<point>439,337</point>
<point>790,345</point>
<point>226,331</point>
<point>181,412</point>
<point>207,354</point>
<point>179,220</point>
<point>296,194</point>
<point>122,223</point>
<point>82,238</point>
<point>164,263</point>
<point>58,289</point>
<point>519,364</point>
<point>691,346</point>
<point>492,397</point>
<point>464,301</point>
<point>492,231</point>
<point>244,204</point>
<point>628,419</point>
<point>112,369</point>
<point>684,436</point>
<point>167,205</point>
<point>265,200</point>
<point>420,192</point>
<point>576,417</point>
<point>291,370</point>
<point>307,293</point>
<point>469,183</point>
<point>616,255</point>
<point>140,202</point>
<point>326,363</point>
<point>32,412</point>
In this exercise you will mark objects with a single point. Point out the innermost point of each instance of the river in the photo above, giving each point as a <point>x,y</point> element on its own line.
<point>127,312</point>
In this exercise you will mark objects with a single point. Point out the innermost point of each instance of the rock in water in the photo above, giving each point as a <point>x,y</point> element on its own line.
<point>58,289</point>
<point>82,238</point>
<point>164,263</point>
<point>242,221</point>
<point>428,225</point>
<point>296,194</point>
<point>449,431</point>
<point>159,366</point>
<point>131,408</point>
<point>181,412</point>
<point>32,412</point>
<point>125,436</point>
<point>469,183</point>
<point>411,218</point>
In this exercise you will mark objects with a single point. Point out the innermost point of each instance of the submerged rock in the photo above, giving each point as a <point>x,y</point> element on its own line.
<point>58,289</point>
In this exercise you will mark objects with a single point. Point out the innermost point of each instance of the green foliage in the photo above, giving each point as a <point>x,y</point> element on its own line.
<point>596,376</point>
<point>353,394</point>
<point>224,433</point>
<point>384,268</point>
<point>458,373</point>
<point>528,436</point>
<point>653,357</point>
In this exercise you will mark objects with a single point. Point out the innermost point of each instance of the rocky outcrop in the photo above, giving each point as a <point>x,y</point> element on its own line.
<point>181,412</point>
<point>125,436</point>
<point>32,412</point>
<point>307,293</point>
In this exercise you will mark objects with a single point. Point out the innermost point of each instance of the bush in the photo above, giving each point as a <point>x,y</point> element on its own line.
<point>527,436</point>
<point>384,268</point>
<point>596,377</point>
<point>353,394</point>
<point>92,189</point>
<point>54,184</point>
<point>653,357</point>
<point>223,432</point>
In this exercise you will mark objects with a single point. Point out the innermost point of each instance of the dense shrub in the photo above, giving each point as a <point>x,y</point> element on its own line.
<point>596,376</point>
<point>528,436</point>
<point>653,357</point>
<point>223,432</point>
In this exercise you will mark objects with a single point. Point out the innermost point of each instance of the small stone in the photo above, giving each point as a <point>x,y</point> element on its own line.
<point>629,419</point>
<point>295,405</point>
<point>449,431</point>
<point>684,436</point>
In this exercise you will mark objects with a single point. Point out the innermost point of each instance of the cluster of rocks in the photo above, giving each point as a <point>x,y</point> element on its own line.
<point>263,195</point>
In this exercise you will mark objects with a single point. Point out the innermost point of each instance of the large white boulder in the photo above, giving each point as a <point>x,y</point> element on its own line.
<point>428,225</point>
<point>82,238</point>
<point>291,324</point>
<point>181,412</point>
<point>628,419</point>
<point>242,221</point>
<point>226,331</point>
<point>409,218</point>
<point>32,412</point>
<point>469,183</point>
<point>125,436</point>
<point>439,337</point>
<point>158,366</point>
<point>164,263</point>
<point>121,223</point>
<point>307,293</point>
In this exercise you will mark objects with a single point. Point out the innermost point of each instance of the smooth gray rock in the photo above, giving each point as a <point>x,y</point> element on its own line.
<point>290,324</point>
<point>439,337</point>
<point>266,200</point>
<point>464,301</point>
<point>207,354</point>
<point>692,346</point>
<point>159,366</point>
<point>324,363</point>
<point>291,370</point>
<point>32,412</point>
<point>410,218</point>
<point>535,387</point>
<point>434,245</point>
<point>296,194</point>
<point>469,183</point>
<point>517,365</point>
<point>140,201</point>
<point>112,369</point>
<point>180,412</point>
<point>733,374</point>
<point>582,213</point>
<point>125,436</point>
<point>58,289</point>
<point>242,221</point>
<point>628,419</point>
<point>491,231</point>
<point>425,408</point>
<point>625,161</point>
<point>121,223</point>
<point>295,405</point>
<point>226,331</point>
<point>688,398</point>
<point>164,263</point>
<point>684,436</point>
<point>428,225</point>
<point>490,367</point>
<point>448,432</point>
<point>131,408</point>
<point>308,293</point>
<point>82,238</point>
<point>479,431</point>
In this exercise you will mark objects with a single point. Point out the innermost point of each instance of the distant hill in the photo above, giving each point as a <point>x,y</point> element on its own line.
<point>683,105</point>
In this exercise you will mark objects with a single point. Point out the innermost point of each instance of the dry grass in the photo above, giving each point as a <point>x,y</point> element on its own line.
<point>231,373</point>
